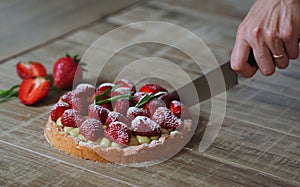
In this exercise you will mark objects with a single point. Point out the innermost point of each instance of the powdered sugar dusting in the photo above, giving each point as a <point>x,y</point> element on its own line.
<point>106,84</point>
<point>133,112</point>
<point>166,119</point>
<point>118,132</point>
<point>144,126</point>
<point>91,129</point>
<point>85,86</point>
<point>122,90</point>
<point>145,120</point>
<point>84,90</point>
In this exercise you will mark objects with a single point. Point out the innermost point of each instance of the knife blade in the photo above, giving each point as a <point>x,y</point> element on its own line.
<point>202,87</point>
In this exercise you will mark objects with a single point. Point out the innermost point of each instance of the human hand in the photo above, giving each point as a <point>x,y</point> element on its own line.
<point>271,28</point>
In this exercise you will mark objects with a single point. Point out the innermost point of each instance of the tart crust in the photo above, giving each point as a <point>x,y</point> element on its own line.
<point>145,154</point>
<point>68,144</point>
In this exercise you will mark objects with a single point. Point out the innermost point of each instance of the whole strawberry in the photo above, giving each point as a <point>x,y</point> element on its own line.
<point>91,129</point>
<point>64,71</point>
<point>118,132</point>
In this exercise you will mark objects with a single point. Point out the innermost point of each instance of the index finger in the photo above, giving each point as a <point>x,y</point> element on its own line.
<point>239,59</point>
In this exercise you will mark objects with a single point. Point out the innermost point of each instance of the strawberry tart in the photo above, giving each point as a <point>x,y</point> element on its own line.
<point>115,122</point>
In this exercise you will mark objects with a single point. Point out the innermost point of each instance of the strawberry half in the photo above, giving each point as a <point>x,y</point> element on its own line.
<point>64,71</point>
<point>118,132</point>
<point>33,89</point>
<point>144,126</point>
<point>91,129</point>
<point>152,88</point>
<point>30,70</point>
<point>58,109</point>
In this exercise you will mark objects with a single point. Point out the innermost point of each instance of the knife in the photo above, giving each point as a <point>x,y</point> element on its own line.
<point>202,87</point>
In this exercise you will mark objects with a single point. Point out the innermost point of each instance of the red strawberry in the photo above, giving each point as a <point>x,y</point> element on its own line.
<point>133,112</point>
<point>107,105</point>
<point>118,132</point>
<point>91,129</point>
<point>116,116</point>
<point>137,96</point>
<point>84,90</point>
<point>67,97</point>
<point>33,89</point>
<point>166,119</point>
<point>71,118</point>
<point>64,71</point>
<point>119,91</point>
<point>79,104</point>
<point>58,109</point>
<point>153,104</point>
<point>127,84</point>
<point>179,109</point>
<point>122,105</point>
<point>152,88</point>
<point>92,98</point>
<point>144,126</point>
<point>30,70</point>
<point>98,112</point>
<point>104,86</point>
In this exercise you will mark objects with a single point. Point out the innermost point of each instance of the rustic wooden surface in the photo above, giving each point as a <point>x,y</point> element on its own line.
<point>28,25</point>
<point>258,144</point>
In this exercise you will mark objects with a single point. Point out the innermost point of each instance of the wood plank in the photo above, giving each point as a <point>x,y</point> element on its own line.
<point>262,107</point>
<point>199,170</point>
<point>45,171</point>
<point>265,150</point>
<point>27,25</point>
<point>204,19</point>
<point>285,82</point>
<point>209,167</point>
<point>256,146</point>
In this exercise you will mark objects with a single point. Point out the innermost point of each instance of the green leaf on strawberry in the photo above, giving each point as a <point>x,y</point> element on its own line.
<point>105,93</point>
<point>147,97</point>
<point>127,95</point>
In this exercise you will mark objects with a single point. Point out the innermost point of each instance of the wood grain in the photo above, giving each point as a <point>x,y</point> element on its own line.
<point>257,145</point>
<point>27,25</point>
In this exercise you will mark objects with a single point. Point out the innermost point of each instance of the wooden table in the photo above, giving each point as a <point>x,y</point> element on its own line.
<point>258,144</point>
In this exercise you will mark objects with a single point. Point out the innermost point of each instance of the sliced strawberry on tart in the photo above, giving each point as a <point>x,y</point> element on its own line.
<point>120,124</point>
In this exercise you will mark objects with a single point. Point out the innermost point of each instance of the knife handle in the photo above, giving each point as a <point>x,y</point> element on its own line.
<point>251,59</point>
